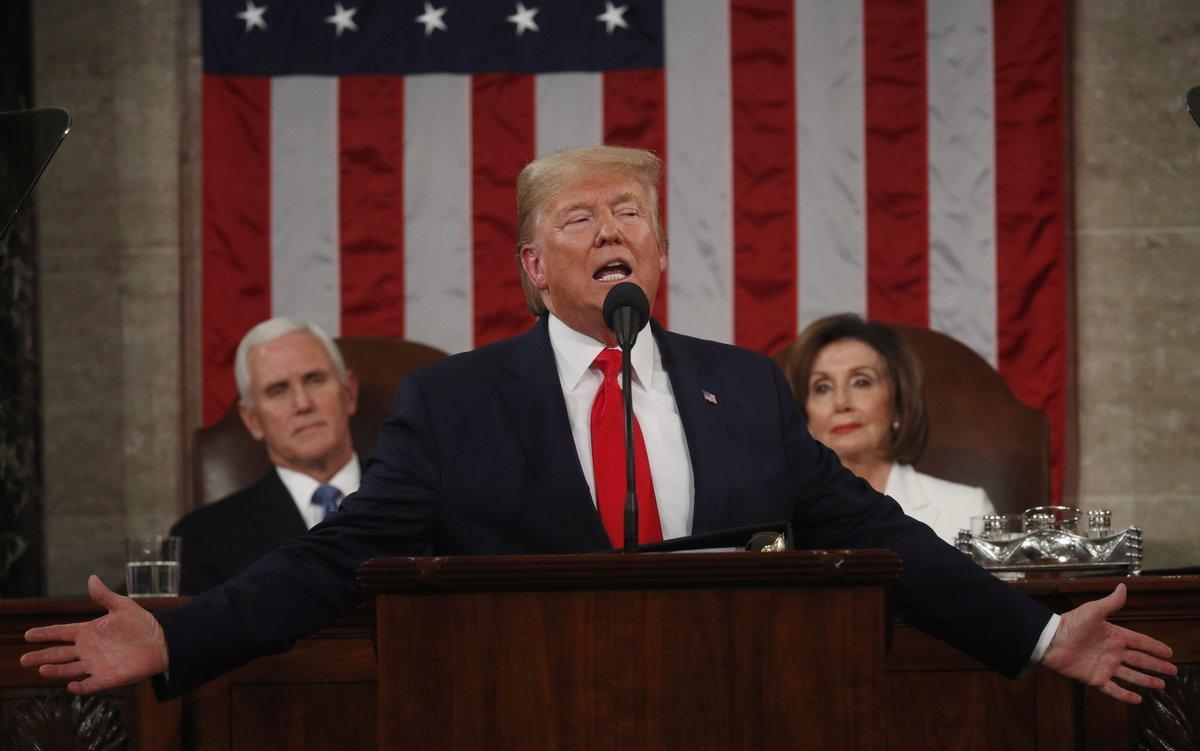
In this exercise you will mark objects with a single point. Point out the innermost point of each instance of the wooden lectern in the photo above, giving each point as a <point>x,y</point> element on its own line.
<point>677,651</point>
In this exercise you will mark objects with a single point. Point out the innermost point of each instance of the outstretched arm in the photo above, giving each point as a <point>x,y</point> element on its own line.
<point>1089,649</point>
<point>117,649</point>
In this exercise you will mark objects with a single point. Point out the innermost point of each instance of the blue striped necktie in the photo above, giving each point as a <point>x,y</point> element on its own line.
<point>327,497</point>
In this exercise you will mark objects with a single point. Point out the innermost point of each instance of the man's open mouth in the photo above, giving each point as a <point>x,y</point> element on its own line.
<point>614,271</point>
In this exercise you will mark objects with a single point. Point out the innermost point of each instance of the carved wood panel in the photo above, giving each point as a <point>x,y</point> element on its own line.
<point>53,720</point>
<point>1170,719</point>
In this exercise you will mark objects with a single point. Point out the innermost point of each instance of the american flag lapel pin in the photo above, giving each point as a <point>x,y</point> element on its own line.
<point>709,397</point>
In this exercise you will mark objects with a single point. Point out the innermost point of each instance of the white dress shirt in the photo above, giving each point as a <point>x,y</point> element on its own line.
<point>653,406</point>
<point>301,488</point>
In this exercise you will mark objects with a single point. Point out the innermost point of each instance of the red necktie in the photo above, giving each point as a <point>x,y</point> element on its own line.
<point>608,459</point>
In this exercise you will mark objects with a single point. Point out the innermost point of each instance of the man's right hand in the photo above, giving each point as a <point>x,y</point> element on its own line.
<point>1089,649</point>
<point>117,649</point>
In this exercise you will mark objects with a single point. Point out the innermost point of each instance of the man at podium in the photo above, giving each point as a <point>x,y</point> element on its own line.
<point>513,448</point>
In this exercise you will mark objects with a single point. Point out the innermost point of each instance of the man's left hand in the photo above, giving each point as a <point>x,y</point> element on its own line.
<point>1089,649</point>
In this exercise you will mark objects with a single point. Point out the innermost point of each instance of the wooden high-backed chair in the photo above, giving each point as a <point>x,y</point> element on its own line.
<point>979,433</point>
<point>225,457</point>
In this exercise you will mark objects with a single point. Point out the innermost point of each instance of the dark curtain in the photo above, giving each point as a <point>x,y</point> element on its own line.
<point>22,556</point>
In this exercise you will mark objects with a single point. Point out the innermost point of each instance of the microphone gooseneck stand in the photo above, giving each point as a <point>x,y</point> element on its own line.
<point>626,311</point>
<point>631,501</point>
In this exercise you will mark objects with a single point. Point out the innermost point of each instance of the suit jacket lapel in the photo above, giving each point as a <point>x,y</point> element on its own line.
<point>276,511</point>
<point>535,402</point>
<point>704,426</point>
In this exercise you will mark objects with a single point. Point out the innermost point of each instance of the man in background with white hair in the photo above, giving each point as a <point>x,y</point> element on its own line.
<point>296,397</point>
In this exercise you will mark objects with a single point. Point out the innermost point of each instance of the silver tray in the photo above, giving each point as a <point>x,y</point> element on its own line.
<point>1048,542</point>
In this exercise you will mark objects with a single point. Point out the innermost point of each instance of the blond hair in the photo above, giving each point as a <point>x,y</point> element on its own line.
<point>543,179</point>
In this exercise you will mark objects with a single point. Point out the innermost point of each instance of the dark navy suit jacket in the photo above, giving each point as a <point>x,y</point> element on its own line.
<point>222,539</point>
<point>478,458</point>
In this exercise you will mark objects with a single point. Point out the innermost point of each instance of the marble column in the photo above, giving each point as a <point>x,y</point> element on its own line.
<point>21,566</point>
<point>1137,241</point>
<point>110,278</point>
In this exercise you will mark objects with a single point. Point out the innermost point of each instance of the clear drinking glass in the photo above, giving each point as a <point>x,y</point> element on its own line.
<point>152,565</point>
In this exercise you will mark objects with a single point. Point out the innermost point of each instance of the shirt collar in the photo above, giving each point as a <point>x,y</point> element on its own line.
<point>301,486</point>
<point>574,353</point>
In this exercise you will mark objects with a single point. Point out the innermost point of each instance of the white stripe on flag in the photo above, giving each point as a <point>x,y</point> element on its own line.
<point>830,159</point>
<point>699,169</point>
<point>568,111</point>
<point>962,173</point>
<point>437,211</point>
<point>305,279</point>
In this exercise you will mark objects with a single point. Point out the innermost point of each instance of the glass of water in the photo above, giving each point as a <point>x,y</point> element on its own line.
<point>152,565</point>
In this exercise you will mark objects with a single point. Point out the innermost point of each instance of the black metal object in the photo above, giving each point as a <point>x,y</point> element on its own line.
<point>631,501</point>
<point>741,538</point>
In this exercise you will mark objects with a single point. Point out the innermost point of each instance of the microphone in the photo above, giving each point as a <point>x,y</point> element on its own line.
<point>626,311</point>
<point>1193,103</point>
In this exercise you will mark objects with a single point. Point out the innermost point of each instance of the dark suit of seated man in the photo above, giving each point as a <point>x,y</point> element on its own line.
<point>507,450</point>
<point>296,396</point>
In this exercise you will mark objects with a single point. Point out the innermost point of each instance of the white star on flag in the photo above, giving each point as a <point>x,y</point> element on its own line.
<point>253,16</point>
<point>432,18</point>
<point>342,18</point>
<point>523,18</point>
<point>613,16</point>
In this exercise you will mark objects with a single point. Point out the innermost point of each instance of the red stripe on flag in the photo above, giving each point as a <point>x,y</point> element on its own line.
<point>764,173</point>
<point>897,167</point>
<point>371,204</point>
<point>1031,244</point>
<point>635,115</point>
<point>236,231</point>
<point>503,141</point>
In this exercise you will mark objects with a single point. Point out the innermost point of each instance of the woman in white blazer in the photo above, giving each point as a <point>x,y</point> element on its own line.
<point>860,386</point>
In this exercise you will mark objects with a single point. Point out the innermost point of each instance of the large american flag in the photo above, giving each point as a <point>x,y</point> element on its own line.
<point>897,158</point>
